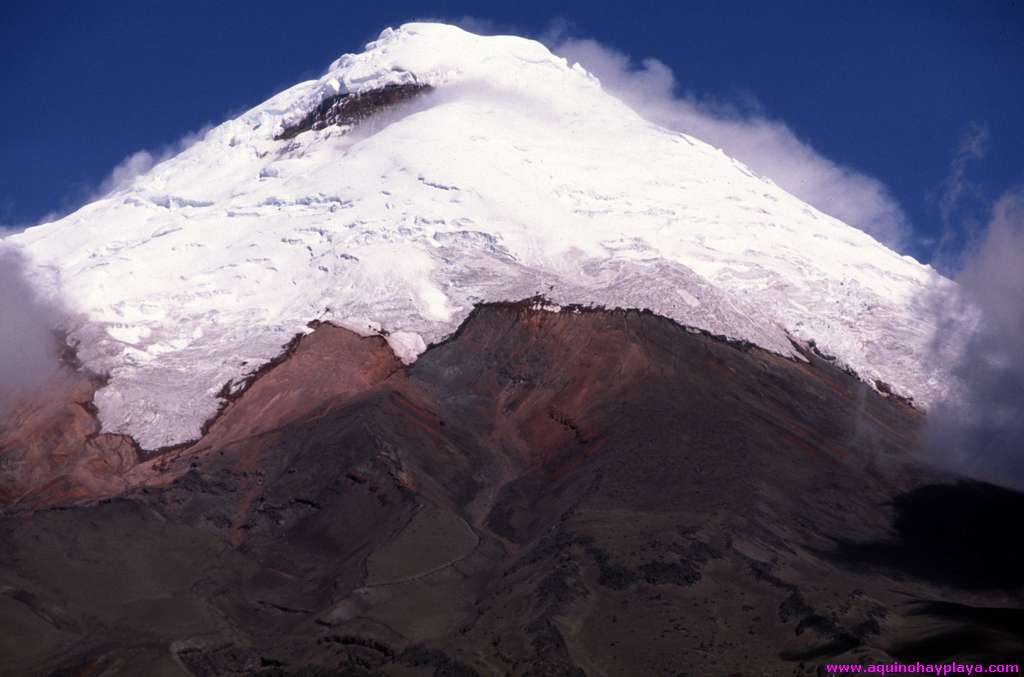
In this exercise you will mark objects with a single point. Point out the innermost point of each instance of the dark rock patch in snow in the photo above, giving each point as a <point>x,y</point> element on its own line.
<point>350,109</point>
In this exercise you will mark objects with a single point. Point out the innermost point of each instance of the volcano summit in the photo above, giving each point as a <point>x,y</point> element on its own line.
<point>436,170</point>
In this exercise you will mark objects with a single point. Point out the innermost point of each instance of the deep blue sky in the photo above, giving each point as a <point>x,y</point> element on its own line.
<point>888,88</point>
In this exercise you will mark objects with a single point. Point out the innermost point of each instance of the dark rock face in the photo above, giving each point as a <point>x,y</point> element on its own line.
<point>575,493</point>
<point>350,109</point>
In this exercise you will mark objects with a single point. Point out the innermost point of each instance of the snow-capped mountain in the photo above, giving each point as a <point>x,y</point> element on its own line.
<point>435,170</point>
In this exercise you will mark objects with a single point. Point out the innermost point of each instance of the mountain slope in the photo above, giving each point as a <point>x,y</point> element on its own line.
<point>593,492</point>
<point>433,171</point>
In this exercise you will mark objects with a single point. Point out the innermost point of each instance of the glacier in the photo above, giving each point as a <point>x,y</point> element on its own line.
<point>513,175</point>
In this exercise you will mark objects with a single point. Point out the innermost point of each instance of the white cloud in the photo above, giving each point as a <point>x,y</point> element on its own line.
<point>7,229</point>
<point>958,201</point>
<point>121,176</point>
<point>28,346</point>
<point>979,429</point>
<point>767,146</point>
<point>972,146</point>
<point>127,170</point>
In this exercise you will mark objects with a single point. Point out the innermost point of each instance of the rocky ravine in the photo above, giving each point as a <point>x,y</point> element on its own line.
<point>584,492</point>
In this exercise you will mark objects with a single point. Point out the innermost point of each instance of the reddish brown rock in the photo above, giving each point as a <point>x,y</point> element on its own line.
<point>315,373</point>
<point>51,451</point>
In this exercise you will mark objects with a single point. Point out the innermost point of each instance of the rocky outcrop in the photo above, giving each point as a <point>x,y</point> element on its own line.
<point>349,109</point>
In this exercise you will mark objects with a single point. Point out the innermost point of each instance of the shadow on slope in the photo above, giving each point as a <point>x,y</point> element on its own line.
<point>964,535</point>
